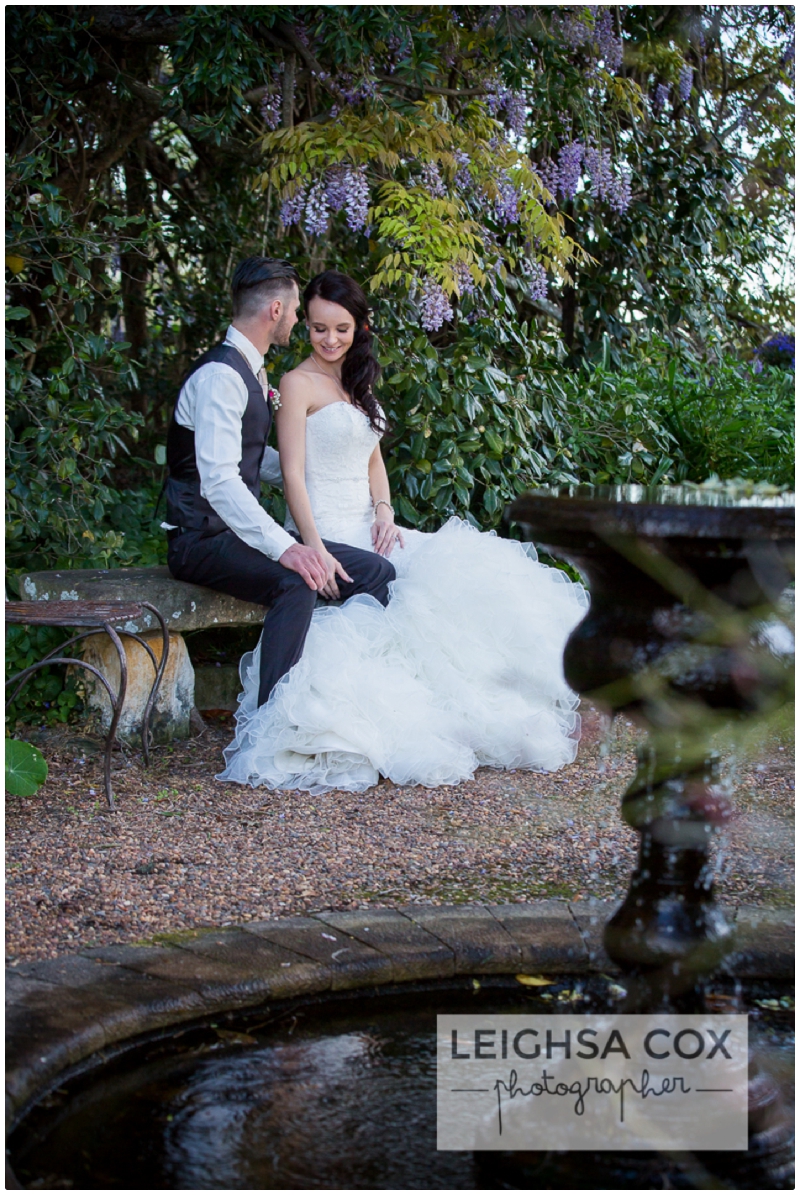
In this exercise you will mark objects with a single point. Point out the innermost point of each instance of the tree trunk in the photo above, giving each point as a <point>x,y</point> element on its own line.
<point>568,304</point>
<point>134,264</point>
<point>569,297</point>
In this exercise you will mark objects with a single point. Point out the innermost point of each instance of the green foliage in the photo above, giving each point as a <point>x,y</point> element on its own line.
<point>668,418</point>
<point>26,768</point>
<point>46,698</point>
<point>466,433</point>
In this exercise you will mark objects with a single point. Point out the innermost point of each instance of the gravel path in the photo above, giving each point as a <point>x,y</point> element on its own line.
<point>184,851</point>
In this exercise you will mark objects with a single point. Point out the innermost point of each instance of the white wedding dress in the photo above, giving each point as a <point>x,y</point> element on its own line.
<point>462,669</point>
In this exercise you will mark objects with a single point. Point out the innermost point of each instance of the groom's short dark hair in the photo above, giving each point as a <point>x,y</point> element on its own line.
<point>259,280</point>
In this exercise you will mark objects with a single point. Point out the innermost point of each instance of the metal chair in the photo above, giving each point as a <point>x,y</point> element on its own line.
<point>97,616</point>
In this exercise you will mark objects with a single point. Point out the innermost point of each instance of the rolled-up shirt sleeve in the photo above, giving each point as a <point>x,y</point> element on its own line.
<point>271,468</point>
<point>220,402</point>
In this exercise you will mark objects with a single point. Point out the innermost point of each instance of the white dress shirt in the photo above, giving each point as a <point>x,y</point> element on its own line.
<point>212,404</point>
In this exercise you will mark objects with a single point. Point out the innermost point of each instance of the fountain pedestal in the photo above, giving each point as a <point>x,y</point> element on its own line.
<point>682,581</point>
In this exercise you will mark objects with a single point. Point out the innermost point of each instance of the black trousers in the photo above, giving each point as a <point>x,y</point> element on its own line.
<point>227,563</point>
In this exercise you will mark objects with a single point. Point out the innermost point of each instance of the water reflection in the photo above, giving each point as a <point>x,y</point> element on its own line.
<point>336,1099</point>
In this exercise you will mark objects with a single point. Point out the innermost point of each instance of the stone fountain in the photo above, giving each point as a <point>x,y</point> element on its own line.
<point>683,582</point>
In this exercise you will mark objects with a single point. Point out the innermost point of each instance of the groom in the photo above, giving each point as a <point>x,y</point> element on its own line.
<point>219,534</point>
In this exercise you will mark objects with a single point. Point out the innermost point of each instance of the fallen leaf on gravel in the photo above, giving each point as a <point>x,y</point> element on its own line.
<point>534,981</point>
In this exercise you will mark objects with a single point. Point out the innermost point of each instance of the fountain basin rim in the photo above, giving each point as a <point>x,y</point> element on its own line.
<point>65,1010</point>
<point>551,510</point>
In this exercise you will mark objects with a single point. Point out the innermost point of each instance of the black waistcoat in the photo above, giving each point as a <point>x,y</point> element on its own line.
<point>185,505</point>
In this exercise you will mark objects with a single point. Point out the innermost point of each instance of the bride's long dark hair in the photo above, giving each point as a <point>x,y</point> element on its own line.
<point>360,369</point>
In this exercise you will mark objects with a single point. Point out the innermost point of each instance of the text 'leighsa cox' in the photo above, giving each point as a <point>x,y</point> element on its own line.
<point>592,1082</point>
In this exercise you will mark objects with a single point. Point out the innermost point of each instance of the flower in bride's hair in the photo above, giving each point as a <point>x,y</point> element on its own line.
<point>315,215</point>
<point>292,208</point>
<point>434,307</point>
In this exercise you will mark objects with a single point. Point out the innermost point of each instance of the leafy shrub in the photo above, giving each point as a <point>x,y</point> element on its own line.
<point>46,698</point>
<point>660,418</point>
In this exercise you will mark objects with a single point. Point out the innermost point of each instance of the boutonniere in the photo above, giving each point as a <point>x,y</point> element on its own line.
<point>274,397</point>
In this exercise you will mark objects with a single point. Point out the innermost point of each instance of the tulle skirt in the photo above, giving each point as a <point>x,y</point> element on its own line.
<point>462,669</point>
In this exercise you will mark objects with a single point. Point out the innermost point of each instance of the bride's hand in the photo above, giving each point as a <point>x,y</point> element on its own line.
<point>385,535</point>
<point>334,569</point>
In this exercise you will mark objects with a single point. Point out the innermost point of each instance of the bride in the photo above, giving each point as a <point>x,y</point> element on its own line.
<point>462,669</point>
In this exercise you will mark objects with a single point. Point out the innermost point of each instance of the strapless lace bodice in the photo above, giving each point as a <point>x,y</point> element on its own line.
<point>339,443</point>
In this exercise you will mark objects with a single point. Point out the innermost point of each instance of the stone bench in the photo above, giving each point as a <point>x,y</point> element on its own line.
<point>184,607</point>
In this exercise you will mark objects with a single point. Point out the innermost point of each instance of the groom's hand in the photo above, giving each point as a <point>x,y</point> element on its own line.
<point>308,562</point>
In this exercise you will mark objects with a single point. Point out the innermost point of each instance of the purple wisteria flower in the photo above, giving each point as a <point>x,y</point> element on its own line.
<point>516,112</point>
<point>292,207</point>
<point>495,96</point>
<point>464,279</point>
<point>354,89</point>
<point>434,307</point>
<point>500,98</point>
<point>608,44</point>
<point>316,212</point>
<point>506,205</point>
<point>432,180</point>
<point>336,187</point>
<point>788,54</point>
<point>271,106</point>
<point>598,164</point>
<point>463,179</point>
<point>357,198</point>
<point>547,172</point>
<point>537,282</point>
<point>685,80</point>
<point>568,173</point>
<point>346,188</point>
<point>660,98</point>
<point>619,196</point>
<point>574,31</point>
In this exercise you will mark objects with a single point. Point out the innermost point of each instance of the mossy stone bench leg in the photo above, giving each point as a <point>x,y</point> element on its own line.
<point>170,718</point>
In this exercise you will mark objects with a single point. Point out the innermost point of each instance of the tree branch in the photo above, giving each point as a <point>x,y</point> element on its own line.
<point>128,22</point>
<point>287,99</point>
<point>392,81</point>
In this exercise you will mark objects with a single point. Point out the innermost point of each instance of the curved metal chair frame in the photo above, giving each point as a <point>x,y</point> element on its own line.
<point>117,701</point>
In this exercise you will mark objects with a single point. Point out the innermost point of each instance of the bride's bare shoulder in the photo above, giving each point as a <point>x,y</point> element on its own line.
<point>296,384</point>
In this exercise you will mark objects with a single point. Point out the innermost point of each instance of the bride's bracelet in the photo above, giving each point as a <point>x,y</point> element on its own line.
<point>382,502</point>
